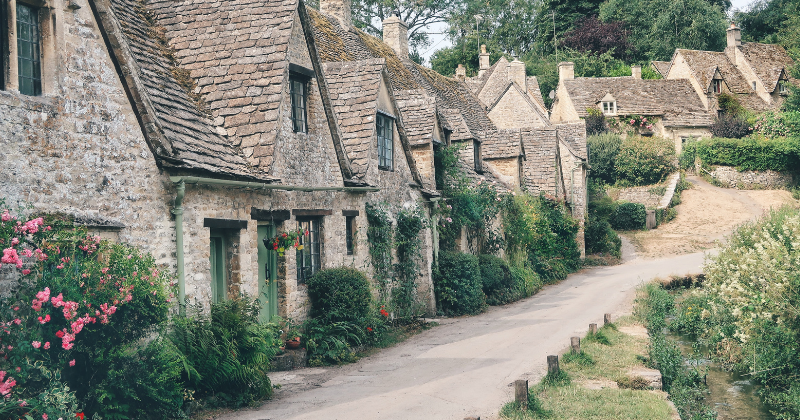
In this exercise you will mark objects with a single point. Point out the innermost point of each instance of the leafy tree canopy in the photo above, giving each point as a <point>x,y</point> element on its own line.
<point>591,35</point>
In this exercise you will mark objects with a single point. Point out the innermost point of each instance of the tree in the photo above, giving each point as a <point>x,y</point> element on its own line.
<point>762,21</point>
<point>658,27</point>
<point>591,35</point>
<point>564,14</point>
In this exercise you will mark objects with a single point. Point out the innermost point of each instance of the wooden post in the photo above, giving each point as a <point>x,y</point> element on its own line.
<point>472,418</point>
<point>606,319</point>
<point>521,393</point>
<point>552,365</point>
<point>593,328</point>
<point>575,343</point>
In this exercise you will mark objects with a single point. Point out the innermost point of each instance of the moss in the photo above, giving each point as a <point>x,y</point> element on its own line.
<point>399,73</point>
<point>332,47</point>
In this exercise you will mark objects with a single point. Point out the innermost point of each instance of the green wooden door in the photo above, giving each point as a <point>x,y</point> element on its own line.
<point>267,270</point>
<point>218,269</point>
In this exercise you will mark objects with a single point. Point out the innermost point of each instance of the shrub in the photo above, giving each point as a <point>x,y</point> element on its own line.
<point>603,151</point>
<point>595,122</point>
<point>495,276</point>
<point>600,238</point>
<point>688,155</point>
<point>457,283</point>
<point>227,353</point>
<point>526,281</point>
<point>750,153</point>
<point>730,126</point>
<point>629,216</point>
<point>778,124</point>
<point>339,294</point>
<point>645,160</point>
<point>729,104</point>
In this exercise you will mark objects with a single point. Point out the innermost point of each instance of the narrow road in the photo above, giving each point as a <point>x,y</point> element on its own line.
<point>466,365</point>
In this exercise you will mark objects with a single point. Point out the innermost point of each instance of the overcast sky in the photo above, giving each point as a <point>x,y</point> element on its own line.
<point>441,41</point>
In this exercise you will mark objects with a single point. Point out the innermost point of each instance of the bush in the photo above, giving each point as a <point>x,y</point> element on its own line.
<point>629,216</point>
<point>227,354</point>
<point>495,275</point>
<point>750,153</point>
<point>339,294</point>
<point>778,124</point>
<point>603,151</point>
<point>526,281</point>
<point>729,104</point>
<point>595,122</point>
<point>457,283</point>
<point>600,238</point>
<point>730,126</point>
<point>645,160</point>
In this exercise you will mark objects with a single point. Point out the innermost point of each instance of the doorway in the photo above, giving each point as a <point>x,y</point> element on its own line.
<point>267,275</point>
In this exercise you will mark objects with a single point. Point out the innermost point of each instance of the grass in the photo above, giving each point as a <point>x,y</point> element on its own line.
<point>609,363</point>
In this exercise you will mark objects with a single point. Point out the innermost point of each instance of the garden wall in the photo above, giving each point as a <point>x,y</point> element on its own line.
<point>750,180</point>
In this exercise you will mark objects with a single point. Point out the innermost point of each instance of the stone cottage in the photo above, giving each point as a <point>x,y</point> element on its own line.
<point>498,119</point>
<point>671,106</point>
<point>195,130</point>
<point>757,74</point>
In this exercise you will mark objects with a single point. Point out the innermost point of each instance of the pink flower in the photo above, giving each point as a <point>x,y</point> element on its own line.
<point>25,272</point>
<point>72,362</point>
<point>10,257</point>
<point>44,320</point>
<point>46,345</point>
<point>23,403</point>
<point>6,385</point>
<point>58,301</point>
<point>18,321</point>
<point>44,416</point>
<point>36,344</point>
<point>27,253</point>
<point>14,241</point>
<point>5,217</point>
<point>32,226</point>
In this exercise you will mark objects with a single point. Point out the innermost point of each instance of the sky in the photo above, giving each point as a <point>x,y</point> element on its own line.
<point>440,40</point>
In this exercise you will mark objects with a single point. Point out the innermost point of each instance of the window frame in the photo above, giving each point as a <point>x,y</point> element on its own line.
<point>612,107</point>
<point>218,262</point>
<point>35,58</point>
<point>297,79</point>
<point>306,255</point>
<point>383,124</point>
<point>350,234</point>
<point>783,89</point>
<point>716,85</point>
<point>476,156</point>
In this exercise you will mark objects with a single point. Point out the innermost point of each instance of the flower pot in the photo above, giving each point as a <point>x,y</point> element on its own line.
<point>293,344</point>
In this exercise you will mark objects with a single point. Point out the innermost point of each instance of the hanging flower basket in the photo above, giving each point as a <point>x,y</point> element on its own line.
<point>285,240</point>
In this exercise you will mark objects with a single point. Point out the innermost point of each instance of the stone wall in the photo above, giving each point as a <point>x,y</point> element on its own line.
<point>647,195</point>
<point>751,180</point>
<point>514,111</point>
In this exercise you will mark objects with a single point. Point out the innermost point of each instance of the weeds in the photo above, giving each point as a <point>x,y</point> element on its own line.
<point>581,359</point>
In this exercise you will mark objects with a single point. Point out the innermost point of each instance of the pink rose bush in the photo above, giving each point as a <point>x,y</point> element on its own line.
<point>61,316</point>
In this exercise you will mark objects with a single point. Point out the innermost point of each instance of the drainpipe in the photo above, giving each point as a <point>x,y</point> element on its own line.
<point>178,212</point>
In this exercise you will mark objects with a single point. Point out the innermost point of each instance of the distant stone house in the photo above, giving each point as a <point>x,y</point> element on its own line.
<point>671,106</point>
<point>757,74</point>
<point>197,129</point>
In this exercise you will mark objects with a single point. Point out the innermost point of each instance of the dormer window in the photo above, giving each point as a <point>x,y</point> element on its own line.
<point>783,89</point>
<point>609,107</point>
<point>716,86</point>
<point>385,130</point>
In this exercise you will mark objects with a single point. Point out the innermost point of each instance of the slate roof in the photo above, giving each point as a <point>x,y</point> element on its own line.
<point>418,110</point>
<point>452,120</point>
<point>704,64</point>
<point>173,119</point>
<point>573,135</point>
<point>501,144</point>
<point>353,87</point>
<point>674,100</point>
<point>335,43</point>
<point>540,171</point>
<point>768,62</point>
<point>535,92</point>
<point>662,67</point>
<point>236,52</point>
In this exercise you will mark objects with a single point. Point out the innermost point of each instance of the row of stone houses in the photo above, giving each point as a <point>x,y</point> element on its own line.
<point>685,102</point>
<point>197,130</point>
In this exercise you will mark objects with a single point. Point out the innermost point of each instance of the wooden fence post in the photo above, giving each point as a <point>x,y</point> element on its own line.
<point>552,365</point>
<point>593,328</point>
<point>606,319</point>
<point>521,393</point>
<point>575,343</point>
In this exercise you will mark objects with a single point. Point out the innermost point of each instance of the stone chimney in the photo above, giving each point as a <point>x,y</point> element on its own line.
<point>516,73</point>
<point>636,71</point>
<point>734,36</point>
<point>566,70</point>
<point>395,35</point>
<point>483,61</point>
<point>340,9</point>
<point>461,72</point>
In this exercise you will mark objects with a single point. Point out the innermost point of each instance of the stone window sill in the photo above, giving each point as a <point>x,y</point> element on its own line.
<point>18,100</point>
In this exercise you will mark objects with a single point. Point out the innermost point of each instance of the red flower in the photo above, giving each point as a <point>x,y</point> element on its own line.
<point>79,415</point>
<point>60,334</point>
<point>369,329</point>
<point>384,313</point>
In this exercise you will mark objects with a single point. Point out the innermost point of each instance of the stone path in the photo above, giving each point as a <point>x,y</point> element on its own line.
<point>465,366</point>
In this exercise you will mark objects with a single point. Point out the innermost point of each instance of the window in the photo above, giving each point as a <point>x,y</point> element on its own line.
<point>476,156</point>
<point>754,85</point>
<point>308,258</point>
<point>219,270</point>
<point>350,233</point>
<point>782,88</point>
<point>716,86</point>
<point>385,129</point>
<point>609,107</point>
<point>28,51</point>
<point>3,44</point>
<point>297,88</point>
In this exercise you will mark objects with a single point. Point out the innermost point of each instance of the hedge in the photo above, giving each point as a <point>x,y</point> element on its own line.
<point>629,216</point>
<point>457,284</point>
<point>751,154</point>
